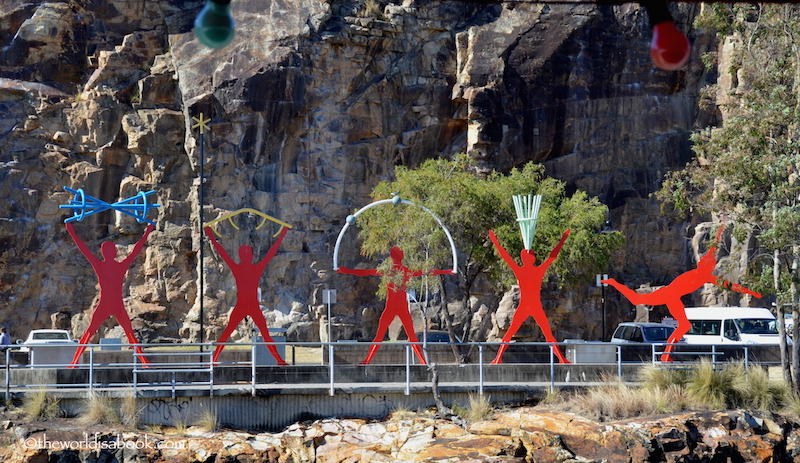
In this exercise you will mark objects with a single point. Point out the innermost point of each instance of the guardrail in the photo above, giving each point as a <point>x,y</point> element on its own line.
<point>181,364</point>
<point>141,366</point>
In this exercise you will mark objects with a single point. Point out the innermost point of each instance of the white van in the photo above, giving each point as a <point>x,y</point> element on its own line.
<point>732,325</point>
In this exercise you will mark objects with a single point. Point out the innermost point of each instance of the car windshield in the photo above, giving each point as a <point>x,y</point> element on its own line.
<point>658,333</point>
<point>757,326</point>
<point>50,336</point>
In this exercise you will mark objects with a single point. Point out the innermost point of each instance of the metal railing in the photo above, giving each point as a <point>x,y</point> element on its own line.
<point>142,366</point>
<point>181,363</point>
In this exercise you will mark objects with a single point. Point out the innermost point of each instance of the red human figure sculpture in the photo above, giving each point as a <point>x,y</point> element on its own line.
<point>682,285</point>
<point>248,277</point>
<point>110,277</point>
<point>529,276</point>
<point>396,302</point>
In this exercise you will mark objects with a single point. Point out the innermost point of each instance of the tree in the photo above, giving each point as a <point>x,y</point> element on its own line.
<point>470,205</point>
<point>748,167</point>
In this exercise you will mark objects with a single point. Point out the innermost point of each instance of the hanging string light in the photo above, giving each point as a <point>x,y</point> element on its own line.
<point>214,25</point>
<point>669,48</point>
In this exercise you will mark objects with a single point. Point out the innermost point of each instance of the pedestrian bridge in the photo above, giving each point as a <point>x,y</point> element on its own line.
<point>247,390</point>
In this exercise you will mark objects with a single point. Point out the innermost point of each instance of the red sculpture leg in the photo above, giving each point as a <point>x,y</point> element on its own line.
<point>383,326</point>
<point>682,285</point>
<point>233,322</point>
<point>248,276</point>
<point>110,276</point>
<point>126,325</point>
<point>396,301</point>
<point>261,323</point>
<point>530,277</point>
<point>408,325</point>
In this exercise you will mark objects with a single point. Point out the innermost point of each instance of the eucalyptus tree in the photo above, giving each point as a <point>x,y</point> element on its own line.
<point>748,166</point>
<point>469,205</point>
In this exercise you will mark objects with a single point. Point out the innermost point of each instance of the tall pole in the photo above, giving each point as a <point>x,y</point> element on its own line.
<point>202,124</point>
<point>602,286</point>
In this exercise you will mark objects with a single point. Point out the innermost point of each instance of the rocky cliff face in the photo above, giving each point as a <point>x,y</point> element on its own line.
<point>516,435</point>
<point>312,104</point>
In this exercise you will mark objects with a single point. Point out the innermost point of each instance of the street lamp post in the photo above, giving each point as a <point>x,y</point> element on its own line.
<point>607,230</point>
<point>329,297</point>
<point>602,286</point>
<point>201,123</point>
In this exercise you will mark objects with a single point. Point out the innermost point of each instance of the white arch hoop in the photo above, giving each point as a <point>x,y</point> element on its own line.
<point>393,201</point>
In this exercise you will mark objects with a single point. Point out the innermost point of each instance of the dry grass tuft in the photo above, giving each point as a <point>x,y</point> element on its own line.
<point>402,412</point>
<point>756,390</point>
<point>654,377</point>
<point>129,410</point>
<point>614,401</point>
<point>40,405</point>
<point>98,409</point>
<point>479,408</point>
<point>791,407</point>
<point>208,421</point>
<point>662,391</point>
<point>712,386</point>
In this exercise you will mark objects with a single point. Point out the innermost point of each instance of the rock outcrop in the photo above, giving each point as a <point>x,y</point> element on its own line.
<point>516,435</point>
<point>312,104</point>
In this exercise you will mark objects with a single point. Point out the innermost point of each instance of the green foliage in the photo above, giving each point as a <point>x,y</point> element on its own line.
<point>748,167</point>
<point>470,205</point>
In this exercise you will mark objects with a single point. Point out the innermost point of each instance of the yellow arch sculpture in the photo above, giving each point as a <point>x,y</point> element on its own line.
<point>229,216</point>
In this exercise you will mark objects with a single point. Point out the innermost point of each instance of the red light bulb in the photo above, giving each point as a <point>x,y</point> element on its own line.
<point>669,48</point>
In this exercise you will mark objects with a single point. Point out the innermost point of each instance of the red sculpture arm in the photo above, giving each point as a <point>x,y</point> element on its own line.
<point>139,245</point>
<point>557,249</point>
<point>736,287</point>
<point>273,249</point>
<point>81,245</point>
<point>442,272</point>
<point>414,273</point>
<point>503,253</point>
<point>219,248</point>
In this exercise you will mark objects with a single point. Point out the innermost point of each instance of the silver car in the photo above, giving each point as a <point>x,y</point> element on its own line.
<point>642,332</point>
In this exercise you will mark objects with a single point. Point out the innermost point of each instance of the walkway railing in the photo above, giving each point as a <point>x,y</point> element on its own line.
<point>143,367</point>
<point>189,366</point>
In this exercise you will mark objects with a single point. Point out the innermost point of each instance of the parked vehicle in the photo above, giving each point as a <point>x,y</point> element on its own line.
<point>628,332</point>
<point>46,337</point>
<point>732,325</point>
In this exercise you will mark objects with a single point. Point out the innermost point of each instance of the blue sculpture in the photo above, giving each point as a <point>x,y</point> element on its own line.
<point>84,205</point>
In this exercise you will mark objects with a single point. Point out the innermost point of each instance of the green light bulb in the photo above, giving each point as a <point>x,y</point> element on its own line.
<point>214,25</point>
